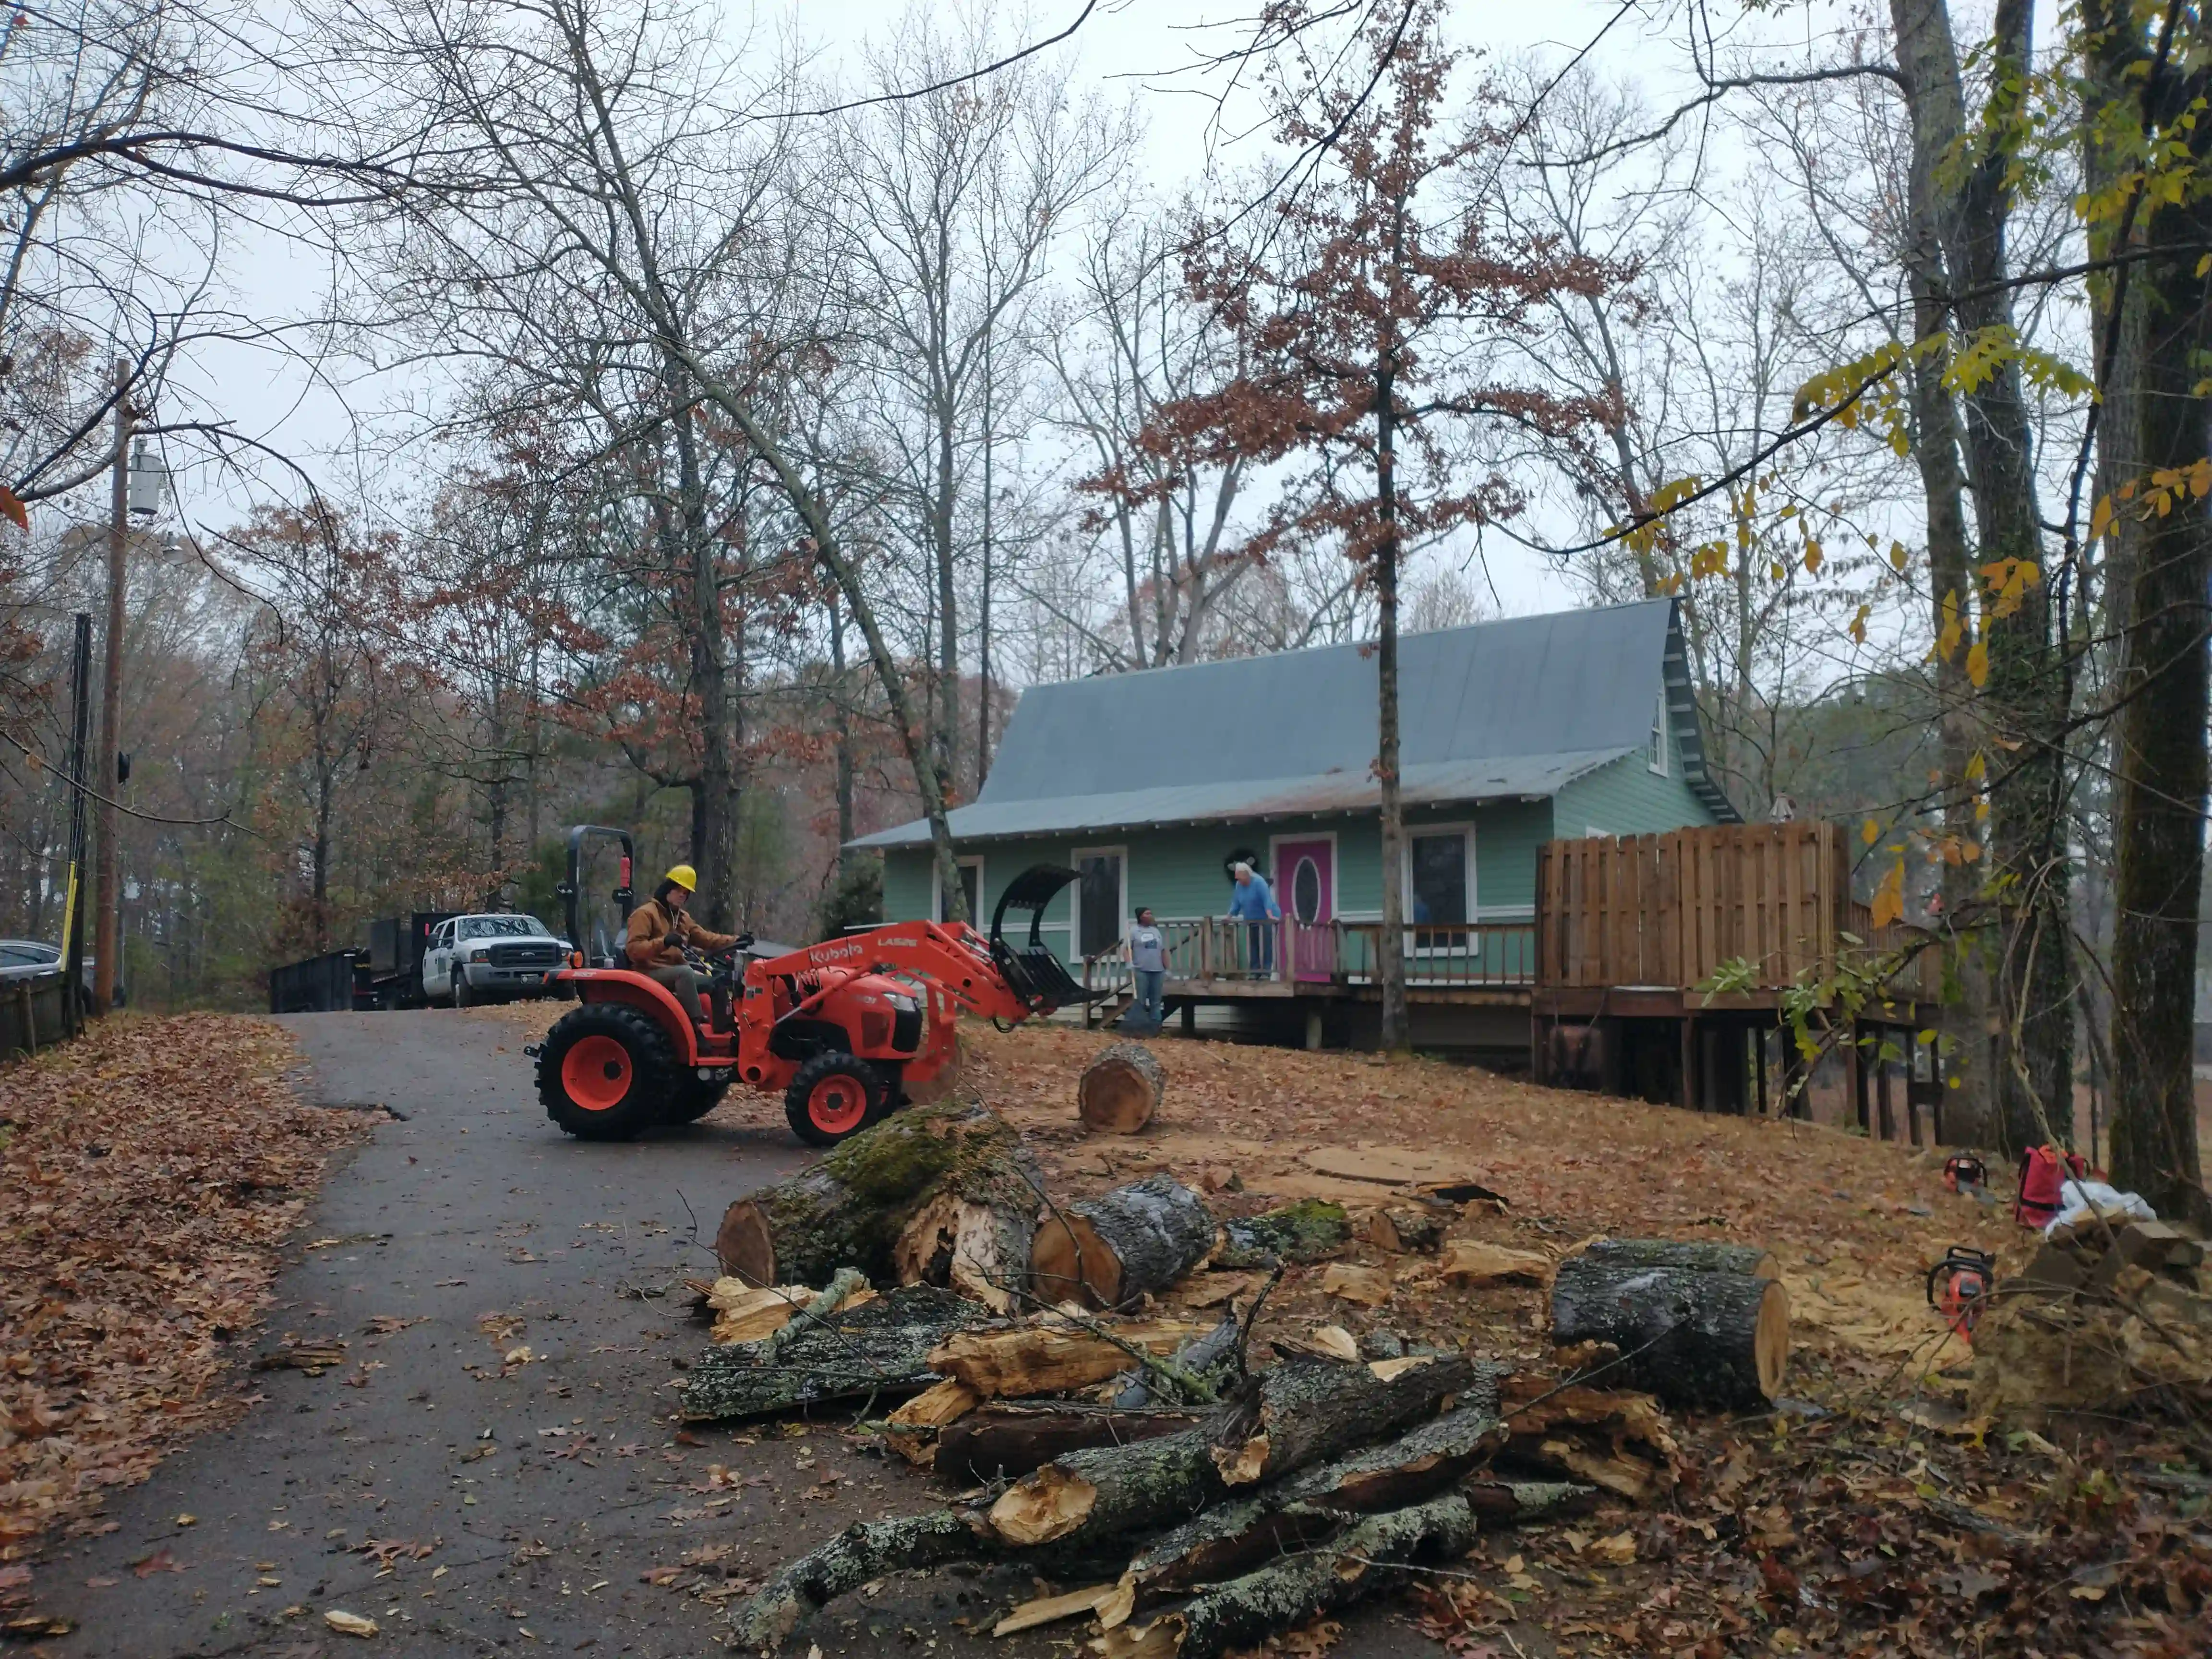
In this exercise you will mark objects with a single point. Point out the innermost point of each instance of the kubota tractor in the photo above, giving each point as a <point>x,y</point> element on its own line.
<point>848,1030</point>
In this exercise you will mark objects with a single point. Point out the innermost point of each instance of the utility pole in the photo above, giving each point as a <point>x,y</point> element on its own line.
<point>107,942</point>
<point>73,906</point>
<point>983,698</point>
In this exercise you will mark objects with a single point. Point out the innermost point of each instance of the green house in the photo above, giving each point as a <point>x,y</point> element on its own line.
<point>1150,785</point>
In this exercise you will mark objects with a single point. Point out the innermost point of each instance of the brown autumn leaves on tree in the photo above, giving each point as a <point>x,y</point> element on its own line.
<point>1374,307</point>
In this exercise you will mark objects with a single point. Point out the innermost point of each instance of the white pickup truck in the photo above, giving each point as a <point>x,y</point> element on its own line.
<point>490,958</point>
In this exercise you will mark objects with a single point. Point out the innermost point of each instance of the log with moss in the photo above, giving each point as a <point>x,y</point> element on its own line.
<point>1693,1256</point>
<point>1312,1230</point>
<point>941,1195</point>
<point>1698,1339</point>
<point>1362,1560</point>
<point>1003,1442</point>
<point>1107,1251</point>
<point>878,1348</point>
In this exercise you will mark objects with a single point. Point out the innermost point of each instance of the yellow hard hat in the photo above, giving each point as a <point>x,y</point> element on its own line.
<point>684,876</point>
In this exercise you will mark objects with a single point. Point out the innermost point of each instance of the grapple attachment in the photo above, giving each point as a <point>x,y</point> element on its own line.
<point>1031,970</point>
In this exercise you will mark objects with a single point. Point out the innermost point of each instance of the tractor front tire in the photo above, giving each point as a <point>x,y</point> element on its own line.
<point>606,1073</point>
<point>833,1097</point>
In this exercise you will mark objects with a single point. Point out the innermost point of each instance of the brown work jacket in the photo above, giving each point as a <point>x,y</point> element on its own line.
<point>658,934</point>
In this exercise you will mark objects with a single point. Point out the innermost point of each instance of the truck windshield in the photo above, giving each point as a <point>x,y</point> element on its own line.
<point>501,927</point>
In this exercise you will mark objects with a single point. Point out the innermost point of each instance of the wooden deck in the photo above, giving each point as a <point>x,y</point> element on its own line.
<point>1627,931</point>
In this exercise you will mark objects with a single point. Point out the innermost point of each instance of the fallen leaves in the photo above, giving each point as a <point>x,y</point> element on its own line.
<point>125,1280</point>
<point>349,1624</point>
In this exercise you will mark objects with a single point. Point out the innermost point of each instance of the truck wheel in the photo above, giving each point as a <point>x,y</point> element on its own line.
<point>462,998</point>
<point>834,1096</point>
<point>605,1073</point>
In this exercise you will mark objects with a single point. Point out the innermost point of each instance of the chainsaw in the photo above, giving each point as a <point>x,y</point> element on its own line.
<point>1959,1287</point>
<point>1964,1169</point>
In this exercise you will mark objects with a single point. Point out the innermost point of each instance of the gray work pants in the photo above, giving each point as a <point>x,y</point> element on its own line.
<point>684,983</point>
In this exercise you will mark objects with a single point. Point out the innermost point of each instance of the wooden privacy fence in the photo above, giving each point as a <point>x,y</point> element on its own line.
<point>1669,910</point>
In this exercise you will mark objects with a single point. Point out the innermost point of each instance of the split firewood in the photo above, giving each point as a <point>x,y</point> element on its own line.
<point>1120,1090</point>
<point>955,1175</point>
<point>1696,1339</point>
<point>1311,1230</point>
<point>1613,1439</point>
<point>1306,1411</point>
<point>1368,1287</point>
<point>1002,1442</point>
<point>914,1428</point>
<point>1053,1356</point>
<point>746,1313</point>
<point>1109,1250</point>
<point>1706,1256</point>
<point>1050,1610</point>
<point>1244,1611</point>
<point>1469,1262</point>
<point>880,1346</point>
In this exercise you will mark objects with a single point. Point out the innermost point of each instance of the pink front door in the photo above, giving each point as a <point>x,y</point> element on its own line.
<point>1305,892</point>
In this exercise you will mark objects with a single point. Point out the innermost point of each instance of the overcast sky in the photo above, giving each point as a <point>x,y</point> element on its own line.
<point>1126,48</point>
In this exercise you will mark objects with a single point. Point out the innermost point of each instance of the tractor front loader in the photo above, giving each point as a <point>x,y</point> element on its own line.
<point>844,1030</point>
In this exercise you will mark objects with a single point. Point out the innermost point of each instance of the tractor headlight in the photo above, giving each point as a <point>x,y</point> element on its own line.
<point>904,1004</point>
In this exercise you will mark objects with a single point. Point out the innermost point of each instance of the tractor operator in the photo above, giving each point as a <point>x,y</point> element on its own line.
<point>658,931</point>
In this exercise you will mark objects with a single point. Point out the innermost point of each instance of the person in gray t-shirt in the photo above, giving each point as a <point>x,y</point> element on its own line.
<point>1148,955</point>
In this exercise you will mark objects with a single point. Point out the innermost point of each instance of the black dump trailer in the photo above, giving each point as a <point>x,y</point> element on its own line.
<point>396,944</point>
<point>320,985</point>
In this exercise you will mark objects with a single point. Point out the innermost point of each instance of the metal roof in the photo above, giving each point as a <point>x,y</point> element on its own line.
<point>1510,709</point>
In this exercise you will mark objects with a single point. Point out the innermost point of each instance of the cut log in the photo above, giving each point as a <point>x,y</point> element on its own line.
<point>1310,1230</point>
<point>1109,1250</point>
<point>1468,1262</point>
<point>1305,1411</point>
<point>852,1208</point>
<point>1705,1256</point>
<point>880,1346</point>
<point>1121,1089</point>
<point>1052,1358</point>
<point>1695,1339</point>
<point>980,1251</point>
<point>1108,1489</point>
<point>1005,1443</point>
<point>913,1429</point>
<point>862,1552</point>
<point>746,1313</point>
<point>1246,1611</point>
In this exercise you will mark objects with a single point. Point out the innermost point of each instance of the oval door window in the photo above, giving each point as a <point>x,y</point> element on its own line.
<point>1305,890</point>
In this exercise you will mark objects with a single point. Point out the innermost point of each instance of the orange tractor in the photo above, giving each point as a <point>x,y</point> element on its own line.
<point>848,1030</point>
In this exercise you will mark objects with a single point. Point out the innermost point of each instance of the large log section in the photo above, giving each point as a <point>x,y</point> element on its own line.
<point>1694,1339</point>
<point>1120,1090</point>
<point>1108,1250</point>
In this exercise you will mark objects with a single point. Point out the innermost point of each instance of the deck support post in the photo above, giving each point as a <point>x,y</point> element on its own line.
<point>1691,1101</point>
<point>1881,1069</point>
<point>1190,1017</point>
<point>1855,1077</point>
<point>1757,1035</point>
<point>1313,1027</point>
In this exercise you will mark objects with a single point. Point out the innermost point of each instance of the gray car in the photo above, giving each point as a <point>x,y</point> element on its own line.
<point>27,958</point>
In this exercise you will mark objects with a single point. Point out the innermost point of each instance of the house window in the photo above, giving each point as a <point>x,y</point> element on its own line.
<point>1658,748</point>
<point>1100,899</point>
<point>1440,885</point>
<point>971,889</point>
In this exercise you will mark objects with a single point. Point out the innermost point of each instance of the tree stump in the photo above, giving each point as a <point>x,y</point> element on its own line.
<point>1708,1257</point>
<point>1693,1339</point>
<point>933,1194</point>
<point>1110,1249</point>
<point>1120,1090</point>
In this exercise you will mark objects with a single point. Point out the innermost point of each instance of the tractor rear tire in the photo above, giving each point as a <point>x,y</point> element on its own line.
<point>834,1096</point>
<point>694,1099</point>
<point>606,1073</point>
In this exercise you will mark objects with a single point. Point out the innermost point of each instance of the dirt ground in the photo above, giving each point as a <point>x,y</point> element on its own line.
<point>1866,1514</point>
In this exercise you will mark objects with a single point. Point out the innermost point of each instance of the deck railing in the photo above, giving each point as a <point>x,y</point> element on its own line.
<point>1216,950</point>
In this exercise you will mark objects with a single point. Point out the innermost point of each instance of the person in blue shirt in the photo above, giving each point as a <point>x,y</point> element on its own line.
<point>1250,900</point>
<point>1148,958</point>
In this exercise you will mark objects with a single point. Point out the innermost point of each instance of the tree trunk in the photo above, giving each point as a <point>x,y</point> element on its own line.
<point>2155,420</point>
<point>880,1346</point>
<point>1110,1249</point>
<point>1120,1091</point>
<point>1706,1258</point>
<point>1390,955</point>
<point>1302,1411</point>
<point>2024,701</point>
<point>1245,1612</point>
<point>1052,1359</point>
<point>854,1208</point>
<point>1694,1338</point>
<point>1005,1443</point>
